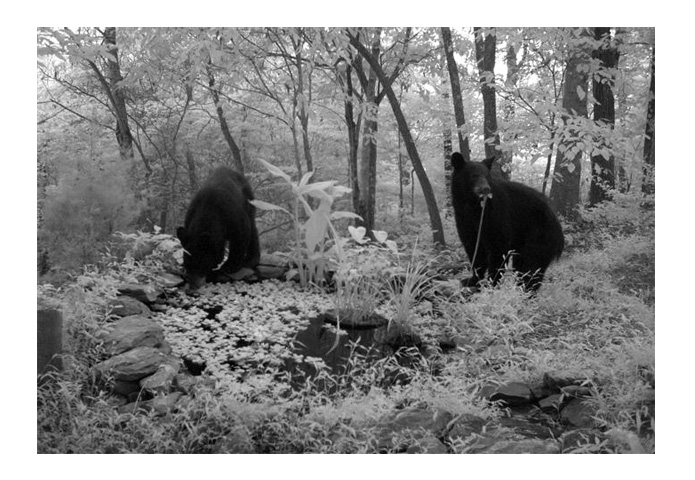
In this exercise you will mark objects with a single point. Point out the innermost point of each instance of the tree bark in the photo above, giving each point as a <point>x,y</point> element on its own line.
<point>461,128</point>
<point>305,100</point>
<point>353,128</point>
<point>448,149</point>
<point>649,136</point>
<point>603,169</point>
<point>116,94</point>
<point>226,133</point>
<point>564,191</point>
<point>485,56</point>
<point>513,67</point>
<point>367,171</point>
<point>428,192</point>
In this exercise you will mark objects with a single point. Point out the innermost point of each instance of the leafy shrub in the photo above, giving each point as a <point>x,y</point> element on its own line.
<point>82,212</point>
<point>625,214</point>
<point>310,251</point>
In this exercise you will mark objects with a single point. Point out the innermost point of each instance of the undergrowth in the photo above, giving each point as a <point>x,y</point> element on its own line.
<point>593,320</point>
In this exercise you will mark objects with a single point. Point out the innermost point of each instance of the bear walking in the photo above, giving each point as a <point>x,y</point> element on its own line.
<point>220,220</point>
<point>518,223</point>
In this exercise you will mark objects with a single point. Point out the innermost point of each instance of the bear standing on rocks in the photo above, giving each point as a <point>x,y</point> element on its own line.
<point>220,221</point>
<point>518,224</point>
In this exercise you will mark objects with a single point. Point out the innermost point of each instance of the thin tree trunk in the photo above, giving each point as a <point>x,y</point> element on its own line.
<point>305,100</point>
<point>226,133</point>
<point>513,67</point>
<point>485,55</point>
<point>603,169</point>
<point>367,170</point>
<point>353,129</point>
<point>448,171</point>
<point>192,170</point>
<point>564,192</point>
<point>42,260</point>
<point>448,149</point>
<point>117,95</point>
<point>428,192</point>
<point>549,163</point>
<point>461,128</point>
<point>650,136</point>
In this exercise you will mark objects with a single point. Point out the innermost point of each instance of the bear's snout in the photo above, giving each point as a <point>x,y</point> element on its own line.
<point>482,190</point>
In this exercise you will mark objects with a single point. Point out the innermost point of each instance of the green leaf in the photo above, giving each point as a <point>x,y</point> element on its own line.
<point>305,179</point>
<point>380,235</point>
<point>357,233</point>
<point>260,204</point>
<point>343,214</point>
<point>275,170</point>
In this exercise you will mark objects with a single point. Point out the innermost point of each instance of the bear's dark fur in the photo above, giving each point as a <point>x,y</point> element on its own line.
<point>518,221</point>
<point>219,219</point>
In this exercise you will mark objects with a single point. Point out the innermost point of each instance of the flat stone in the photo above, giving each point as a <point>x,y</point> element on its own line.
<point>123,306</point>
<point>576,391</point>
<point>267,271</point>
<point>145,293</point>
<point>169,280</point>
<point>125,389</point>
<point>556,381</point>
<point>578,412</point>
<point>161,381</point>
<point>134,364</point>
<point>131,332</point>
<point>191,384</point>
<point>466,425</point>
<point>512,394</point>
<point>551,403</point>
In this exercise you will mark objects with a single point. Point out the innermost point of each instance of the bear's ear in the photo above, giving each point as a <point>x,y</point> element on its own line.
<point>181,233</point>
<point>457,160</point>
<point>489,161</point>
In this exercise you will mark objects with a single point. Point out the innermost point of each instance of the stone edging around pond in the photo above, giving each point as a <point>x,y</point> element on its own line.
<point>145,374</point>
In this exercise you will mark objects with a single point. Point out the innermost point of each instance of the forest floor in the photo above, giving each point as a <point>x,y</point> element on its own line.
<point>279,382</point>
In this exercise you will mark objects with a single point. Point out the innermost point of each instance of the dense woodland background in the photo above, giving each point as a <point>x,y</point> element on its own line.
<point>131,121</point>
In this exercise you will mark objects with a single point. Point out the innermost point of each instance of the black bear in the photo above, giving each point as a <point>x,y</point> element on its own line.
<point>220,221</point>
<point>518,224</point>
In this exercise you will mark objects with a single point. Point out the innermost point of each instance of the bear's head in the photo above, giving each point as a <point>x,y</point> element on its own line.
<point>472,179</point>
<point>202,255</point>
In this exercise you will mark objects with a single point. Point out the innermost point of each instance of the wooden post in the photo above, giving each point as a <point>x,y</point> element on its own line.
<point>49,329</point>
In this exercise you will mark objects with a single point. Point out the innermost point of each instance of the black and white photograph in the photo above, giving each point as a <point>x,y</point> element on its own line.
<point>346,240</point>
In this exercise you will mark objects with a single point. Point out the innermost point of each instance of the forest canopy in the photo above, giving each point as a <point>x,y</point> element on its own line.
<point>131,121</point>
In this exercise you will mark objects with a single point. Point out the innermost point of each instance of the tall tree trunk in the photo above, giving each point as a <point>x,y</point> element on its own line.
<point>448,172</point>
<point>301,99</point>
<point>116,94</point>
<point>428,192</point>
<point>367,170</point>
<point>513,67</point>
<point>603,169</point>
<point>42,259</point>
<point>649,135</point>
<point>485,45</point>
<point>564,192</point>
<point>623,179</point>
<point>461,128</point>
<point>353,129</point>
<point>549,161</point>
<point>226,133</point>
<point>448,149</point>
<point>192,170</point>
